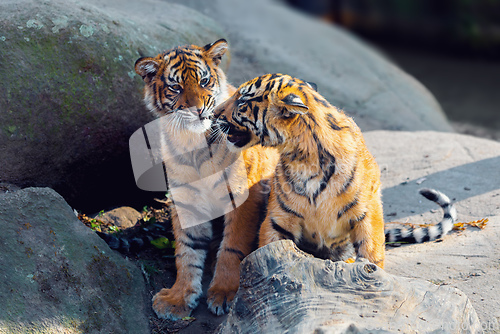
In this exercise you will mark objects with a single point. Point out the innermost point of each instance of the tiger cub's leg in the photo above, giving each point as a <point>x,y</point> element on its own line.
<point>240,232</point>
<point>280,226</point>
<point>367,234</point>
<point>192,245</point>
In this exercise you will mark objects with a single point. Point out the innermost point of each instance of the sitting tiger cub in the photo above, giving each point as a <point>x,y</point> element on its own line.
<point>325,195</point>
<point>183,86</point>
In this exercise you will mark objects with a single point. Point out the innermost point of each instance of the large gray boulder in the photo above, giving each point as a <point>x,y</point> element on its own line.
<point>58,276</point>
<point>267,36</point>
<point>285,290</point>
<point>70,97</point>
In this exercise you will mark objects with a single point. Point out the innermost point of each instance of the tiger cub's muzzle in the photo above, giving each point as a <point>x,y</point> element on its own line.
<point>236,136</point>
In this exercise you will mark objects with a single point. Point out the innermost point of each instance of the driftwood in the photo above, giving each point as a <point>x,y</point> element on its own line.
<point>283,289</point>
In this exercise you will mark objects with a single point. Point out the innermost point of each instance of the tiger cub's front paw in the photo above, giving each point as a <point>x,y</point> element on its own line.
<point>219,300</point>
<point>171,304</point>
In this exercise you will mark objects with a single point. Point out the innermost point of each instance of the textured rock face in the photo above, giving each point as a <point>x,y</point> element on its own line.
<point>70,97</point>
<point>271,37</point>
<point>122,217</point>
<point>58,276</point>
<point>284,290</point>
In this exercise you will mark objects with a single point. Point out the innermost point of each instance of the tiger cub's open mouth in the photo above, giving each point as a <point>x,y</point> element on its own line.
<point>238,138</point>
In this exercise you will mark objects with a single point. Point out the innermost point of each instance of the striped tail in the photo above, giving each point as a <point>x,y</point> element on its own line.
<point>125,245</point>
<point>134,239</point>
<point>429,233</point>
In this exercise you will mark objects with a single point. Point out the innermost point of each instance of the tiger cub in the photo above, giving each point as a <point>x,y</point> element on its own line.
<point>184,85</point>
<point>325,194</point>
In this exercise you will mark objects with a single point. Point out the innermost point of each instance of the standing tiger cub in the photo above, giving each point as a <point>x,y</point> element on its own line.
<point>182,87</point>
<point>326,188</point>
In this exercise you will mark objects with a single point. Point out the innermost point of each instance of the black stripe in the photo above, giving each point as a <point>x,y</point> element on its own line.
<point>222,178</point>
<point>337,243</point>
<point>321,101</point>
<point>277,134</point>
<point>230,192</point>
<point>258,82</point>
<point>348,182</point>
<point>447,216</point>
<point>195,266</point>
<point>356,245</point>
<point>280,84</point>
<point>285,208</point>
<point>195,245</point>
<point>262,216</point>
<point>347,207</point>
<point>278,186</point>
<point>175,65</point>
<point>279,229</point>
<point>264,114</point>
<point>429,195</point>
<point>255,111</point>
<point>268,86</point>
<point>352,222</point>
<point>183,185</point>
<point>426,237</point>
<point>193,210</point>
<point>332,122</point>
<point>327,163</point>
<point>409,239</point>
<point>312,118</point>
<point>255,99</point>
<point>198,239</point>
<point>145,134</point>
<point>273,76</point>
<point>240,254</point>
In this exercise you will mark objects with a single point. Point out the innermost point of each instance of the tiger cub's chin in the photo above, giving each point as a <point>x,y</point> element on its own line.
<point>198,127</point>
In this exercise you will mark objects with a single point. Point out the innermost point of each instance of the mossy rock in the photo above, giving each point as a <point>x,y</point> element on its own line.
<point>58,276</point>
<point>71,98</point>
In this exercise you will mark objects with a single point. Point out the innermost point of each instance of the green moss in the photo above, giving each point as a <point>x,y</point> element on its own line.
<point>69,82</point>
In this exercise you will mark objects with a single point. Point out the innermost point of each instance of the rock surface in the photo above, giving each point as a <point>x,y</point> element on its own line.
<point>122,217</point>
<point>70,96</point>
<point>463,167</point>
<point>58,276</point>
<point>467,170</point>
<point>271,37</point>
<point>285,290</point>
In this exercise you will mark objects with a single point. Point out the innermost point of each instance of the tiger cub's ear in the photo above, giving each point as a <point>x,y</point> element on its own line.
<point>146,67</point>
<point>293,105</point>
<point>216,50</point>
<point>312,85</point>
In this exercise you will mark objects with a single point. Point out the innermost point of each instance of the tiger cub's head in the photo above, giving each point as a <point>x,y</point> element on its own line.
<point>185,83</point>
<point>263,110</point>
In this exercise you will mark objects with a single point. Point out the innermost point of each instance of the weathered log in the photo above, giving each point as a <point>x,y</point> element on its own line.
<point>283,289</point>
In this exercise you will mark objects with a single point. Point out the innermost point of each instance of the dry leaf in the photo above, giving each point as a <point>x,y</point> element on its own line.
<point>481,224</point>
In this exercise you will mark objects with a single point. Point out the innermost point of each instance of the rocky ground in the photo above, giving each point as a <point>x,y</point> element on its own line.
<point>71,128</point>
<point>463,167</point>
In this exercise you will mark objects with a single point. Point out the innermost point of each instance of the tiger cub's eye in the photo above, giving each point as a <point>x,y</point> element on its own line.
<point>241,102</point>
<point>175,88</point>
<point>204,81</point>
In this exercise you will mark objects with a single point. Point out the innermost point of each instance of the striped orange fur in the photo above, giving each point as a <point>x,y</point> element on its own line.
<point>325,194</point>
<point>186,84</point>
